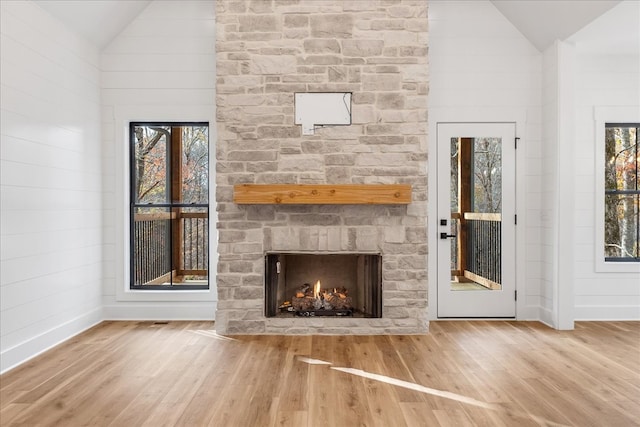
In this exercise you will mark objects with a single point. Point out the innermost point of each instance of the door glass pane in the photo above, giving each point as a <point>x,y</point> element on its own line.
<point>476,206</point>
<point>487,175</point>
<point>453,192</point>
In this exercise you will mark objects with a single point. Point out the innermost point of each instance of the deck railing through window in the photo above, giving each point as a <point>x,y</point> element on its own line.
<point>484,246</point>
<point>195,236</point>
<point>476,251</point>
<point>153,236</point>
<point>151,246</point>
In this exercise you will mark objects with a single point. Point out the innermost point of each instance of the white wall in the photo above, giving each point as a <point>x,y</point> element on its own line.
<point>548,184</point>
<point>558,198</point>
<point>161,67</point>
<point>483,69</point>
<point>602,81</point>
<point>51,206</point>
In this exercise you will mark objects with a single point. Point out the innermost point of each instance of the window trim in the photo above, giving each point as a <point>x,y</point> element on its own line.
<point>602,116</point>
<point>123,115</point>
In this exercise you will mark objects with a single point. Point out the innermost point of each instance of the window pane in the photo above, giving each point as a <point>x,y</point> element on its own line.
<point>150,164</point>
<point>195,164</point>
<point>621,168</point>
<point>194,254</point>
<point>151,246</point>
<point>621,226</point>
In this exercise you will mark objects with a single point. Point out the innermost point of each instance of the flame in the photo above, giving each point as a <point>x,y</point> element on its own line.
<point>316,290</point>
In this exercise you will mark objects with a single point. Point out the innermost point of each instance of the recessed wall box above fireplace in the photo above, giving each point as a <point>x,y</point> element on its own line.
<point>322,109</point>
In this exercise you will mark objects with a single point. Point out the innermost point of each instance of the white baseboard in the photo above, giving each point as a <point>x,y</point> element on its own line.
<point>529,313</point>
<point>599,312</point>
<point>546,317</point>
<point>160,311</point>
<point>19,354</point>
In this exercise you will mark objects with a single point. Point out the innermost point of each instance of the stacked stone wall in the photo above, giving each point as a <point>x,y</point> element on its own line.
<point>266,52</point>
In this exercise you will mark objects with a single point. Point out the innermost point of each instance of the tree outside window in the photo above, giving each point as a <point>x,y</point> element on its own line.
<point>622,193</point>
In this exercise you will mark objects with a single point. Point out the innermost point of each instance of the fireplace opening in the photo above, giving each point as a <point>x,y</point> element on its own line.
<point>313,285</point>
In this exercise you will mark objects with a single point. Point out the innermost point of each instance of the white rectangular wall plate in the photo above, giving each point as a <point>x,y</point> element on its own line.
<point>322,109</point>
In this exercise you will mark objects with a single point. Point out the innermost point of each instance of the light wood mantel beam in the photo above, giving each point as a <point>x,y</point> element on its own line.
<point>322,194</point>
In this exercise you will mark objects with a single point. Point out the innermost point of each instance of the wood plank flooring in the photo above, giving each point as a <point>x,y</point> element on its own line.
<point>460,374</point>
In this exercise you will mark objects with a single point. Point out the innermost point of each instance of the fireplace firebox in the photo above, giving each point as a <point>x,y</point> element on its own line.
<point>323,284</point>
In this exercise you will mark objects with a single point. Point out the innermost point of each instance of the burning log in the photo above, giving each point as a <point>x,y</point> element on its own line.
<point>307,298</point>
<point>303,304</point>
<point>341,292</point>
<point>339,301</point>
<point>304,290</point>
<point>304,299</point>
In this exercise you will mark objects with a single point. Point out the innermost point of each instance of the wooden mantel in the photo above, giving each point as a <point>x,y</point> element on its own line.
<point>322,194</point>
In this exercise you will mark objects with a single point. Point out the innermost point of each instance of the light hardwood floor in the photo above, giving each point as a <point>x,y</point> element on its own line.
<point>461,373</point>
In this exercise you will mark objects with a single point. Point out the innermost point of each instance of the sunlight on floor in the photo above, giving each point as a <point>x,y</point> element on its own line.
<point>212,334</point>
<point>431,391</point>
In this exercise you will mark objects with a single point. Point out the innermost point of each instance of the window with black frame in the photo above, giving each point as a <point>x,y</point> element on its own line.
<point>622,193</point>
<point>169,224</point>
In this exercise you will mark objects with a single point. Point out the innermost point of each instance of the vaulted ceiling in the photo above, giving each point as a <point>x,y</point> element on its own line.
<point>544,21</point>
<point>540,21</point>
<point>99,21</point>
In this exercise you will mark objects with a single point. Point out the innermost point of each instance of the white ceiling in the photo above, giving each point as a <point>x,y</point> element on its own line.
<point>99,21</point>
<point>543,22</point>
<point>540,21</point>
<point>620,24</point>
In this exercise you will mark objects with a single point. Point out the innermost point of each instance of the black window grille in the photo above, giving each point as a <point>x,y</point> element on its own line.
<point>622,193</point>
<point>169,205</point>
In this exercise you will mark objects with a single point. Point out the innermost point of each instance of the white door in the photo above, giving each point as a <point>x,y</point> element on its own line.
<point>476,220</point>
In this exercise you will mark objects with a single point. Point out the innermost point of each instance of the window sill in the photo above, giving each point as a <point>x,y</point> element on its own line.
<point>617,267</point>
<point>165,295</point>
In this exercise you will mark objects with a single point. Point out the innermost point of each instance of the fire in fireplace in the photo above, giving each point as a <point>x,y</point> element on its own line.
<point>344,284</point>
<point>316,301</point>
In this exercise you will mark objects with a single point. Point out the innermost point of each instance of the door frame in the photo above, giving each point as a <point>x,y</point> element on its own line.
<point>455,115</point>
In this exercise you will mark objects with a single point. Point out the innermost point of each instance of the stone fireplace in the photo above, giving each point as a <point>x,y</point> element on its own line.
<point>266,52</point>
<point>323,284</point>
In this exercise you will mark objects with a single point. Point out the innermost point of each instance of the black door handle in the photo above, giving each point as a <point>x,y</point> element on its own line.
<point>445,235</point>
